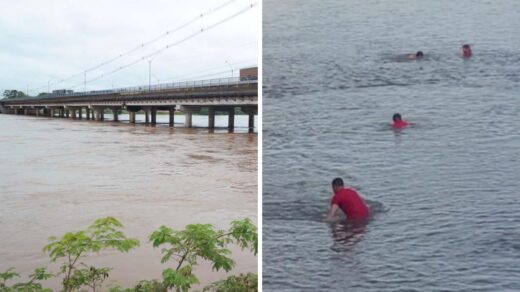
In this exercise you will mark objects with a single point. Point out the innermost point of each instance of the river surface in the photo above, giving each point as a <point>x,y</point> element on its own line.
<point>59,175</point>
<point>445,193</point>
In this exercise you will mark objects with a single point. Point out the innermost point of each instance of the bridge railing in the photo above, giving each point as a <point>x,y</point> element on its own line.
<point>219,82</point>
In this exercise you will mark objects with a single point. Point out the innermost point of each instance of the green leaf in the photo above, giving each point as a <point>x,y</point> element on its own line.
<point>9,274</point>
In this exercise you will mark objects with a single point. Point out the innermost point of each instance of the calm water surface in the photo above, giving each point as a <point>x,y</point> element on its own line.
<point>445,192</point>
<point>60,175</point>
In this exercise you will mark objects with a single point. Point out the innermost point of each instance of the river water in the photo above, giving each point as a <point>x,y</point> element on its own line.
<point>60,175</point>
<point>444,193</point>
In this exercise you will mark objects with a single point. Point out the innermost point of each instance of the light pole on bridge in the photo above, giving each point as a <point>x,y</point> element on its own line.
<point>231,68</point>
<point>150,75</point>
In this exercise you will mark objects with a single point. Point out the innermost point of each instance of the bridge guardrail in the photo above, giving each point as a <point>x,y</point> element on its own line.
<point>219,82</point>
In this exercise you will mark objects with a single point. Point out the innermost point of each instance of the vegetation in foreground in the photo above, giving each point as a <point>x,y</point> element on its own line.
<point>181,249</point>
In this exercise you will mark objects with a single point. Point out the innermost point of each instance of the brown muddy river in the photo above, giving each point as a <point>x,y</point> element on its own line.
<point>60,175</point>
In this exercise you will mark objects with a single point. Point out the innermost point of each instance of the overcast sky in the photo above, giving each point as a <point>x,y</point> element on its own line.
<point>44,42</point>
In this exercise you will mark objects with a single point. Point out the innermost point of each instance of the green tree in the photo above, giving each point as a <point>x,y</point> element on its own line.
<point>243,283</point>
<point>13,94</point>
<point>200,241</point>
<point>7,275</point>
<point>32,285</point>
<point>103,234</point>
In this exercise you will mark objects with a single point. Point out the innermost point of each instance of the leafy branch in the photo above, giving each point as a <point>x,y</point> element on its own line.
<point>103,234</point>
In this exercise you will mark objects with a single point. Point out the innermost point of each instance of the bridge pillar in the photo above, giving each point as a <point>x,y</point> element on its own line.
<point>115,112</point>
<point>146,115</point>
<point>101,114</point>
<point>231,119</point>
<point>251,124</point>
<point>37,112</point>
<point>25,111</point>
<point>187,120</point>
<point>251,111</point>
<point>188,114</point>
<point>73,113</point>
<point>80,113</point>
<point>211,117</point>
<point>153,113</point>
<point>87,113</point>
<point>67,113</point>
<point>172,116</point>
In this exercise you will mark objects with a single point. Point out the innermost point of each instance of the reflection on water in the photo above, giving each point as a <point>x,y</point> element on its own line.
<point>346,234</point>
<point>60,175</point>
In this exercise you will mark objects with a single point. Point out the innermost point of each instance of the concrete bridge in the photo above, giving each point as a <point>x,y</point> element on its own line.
<point>217,95</point>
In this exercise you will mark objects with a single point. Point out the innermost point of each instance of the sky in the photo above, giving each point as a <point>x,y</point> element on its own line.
<point>51,44</point>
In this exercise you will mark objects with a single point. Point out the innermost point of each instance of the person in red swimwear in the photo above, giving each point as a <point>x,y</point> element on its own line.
<point>466,51</point>
<point>349,201</point>
<point>399,123</point>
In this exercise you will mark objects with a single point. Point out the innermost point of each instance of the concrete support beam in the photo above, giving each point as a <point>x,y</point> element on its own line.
<point>115,112</point>
<point>231,119</point>
<point>73,113</point>
<point>132,117</point>
<point>172,116</point>
<point>25,111</point>
<point>146,115</point>
<point>251,111</point>
<point>67,113</point>
<point>187,119</point>
<point>188,114</point>
<point>251,123</point>
<point>87,113</point>
<point>37,112</point>
<point>211,117</point>
<point>153,112</point>
<point>80,113</point>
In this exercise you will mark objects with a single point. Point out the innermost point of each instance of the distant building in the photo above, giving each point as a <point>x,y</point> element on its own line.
<point>249,73</point>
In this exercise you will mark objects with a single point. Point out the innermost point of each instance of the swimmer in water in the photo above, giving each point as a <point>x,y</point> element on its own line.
<point>399,123</point>
<point>349,201</point>
<point>419,55</point>
<point>466,51</point>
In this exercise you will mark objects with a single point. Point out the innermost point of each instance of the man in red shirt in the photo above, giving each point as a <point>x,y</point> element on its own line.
<point>466,51</point>
<point>399,123</point>
<point>349,201</point>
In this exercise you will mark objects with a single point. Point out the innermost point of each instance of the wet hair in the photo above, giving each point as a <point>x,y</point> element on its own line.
<point>337,182</point>
<point>397,117</point>
<point>419,54</point>
<point>465,46</point>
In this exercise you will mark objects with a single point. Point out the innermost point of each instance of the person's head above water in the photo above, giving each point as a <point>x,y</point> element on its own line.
<point>466,51</point>
<point>399,123</point>
<point>337,183</point>
<point>419,54</point>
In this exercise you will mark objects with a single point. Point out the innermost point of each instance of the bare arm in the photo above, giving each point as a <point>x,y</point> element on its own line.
<point>332,212</point>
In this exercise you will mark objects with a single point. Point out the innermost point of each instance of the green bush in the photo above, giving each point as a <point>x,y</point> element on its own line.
<point>182,248</point>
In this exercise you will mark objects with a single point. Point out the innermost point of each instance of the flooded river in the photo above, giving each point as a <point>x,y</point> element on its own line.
<point>60,175</point>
